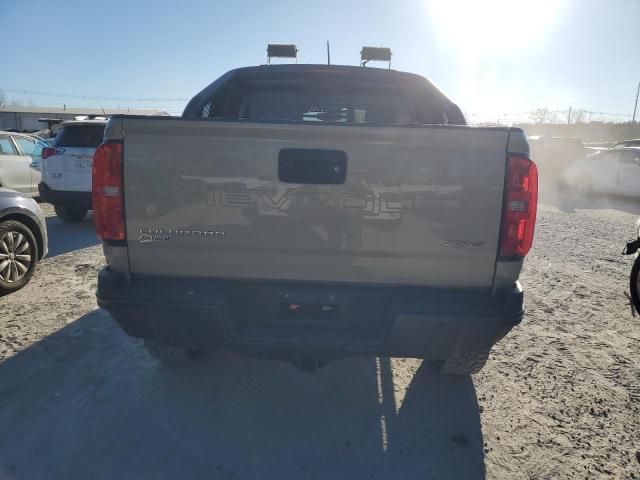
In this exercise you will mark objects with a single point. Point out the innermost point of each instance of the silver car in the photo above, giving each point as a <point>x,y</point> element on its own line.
<point>20,162</point>
<point>612,172</point>
<point>23,239</point>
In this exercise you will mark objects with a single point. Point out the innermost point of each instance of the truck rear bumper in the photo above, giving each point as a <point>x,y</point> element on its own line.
<point>284,319</point>
<point>65,198</point>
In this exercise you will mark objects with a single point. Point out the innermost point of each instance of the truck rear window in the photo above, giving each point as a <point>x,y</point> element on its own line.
<point>311,105</point>
<point>87,136</point>
<point>326,100</point>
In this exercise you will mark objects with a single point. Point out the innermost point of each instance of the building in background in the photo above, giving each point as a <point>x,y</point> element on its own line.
<point>27,119</point>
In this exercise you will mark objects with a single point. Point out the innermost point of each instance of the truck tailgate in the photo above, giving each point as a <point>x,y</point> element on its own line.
<point>410,205</point>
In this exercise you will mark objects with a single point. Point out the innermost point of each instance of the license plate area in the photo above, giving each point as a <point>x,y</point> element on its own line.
<point>306,315</point>
<point>313,311</point>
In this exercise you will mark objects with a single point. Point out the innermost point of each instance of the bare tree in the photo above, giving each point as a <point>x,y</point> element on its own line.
<point>3,98</point>
<point>580,115</point>
<point>543,115</point>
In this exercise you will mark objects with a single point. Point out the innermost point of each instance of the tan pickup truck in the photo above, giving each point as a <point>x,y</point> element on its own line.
<point>313,212</point>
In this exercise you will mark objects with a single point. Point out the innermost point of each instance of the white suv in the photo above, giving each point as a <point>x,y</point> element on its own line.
<point>66,168</point>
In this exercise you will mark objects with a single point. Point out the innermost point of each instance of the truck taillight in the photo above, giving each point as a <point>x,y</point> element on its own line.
<point>520,207</point>
<point>49,152</point>
<point>108,205</point>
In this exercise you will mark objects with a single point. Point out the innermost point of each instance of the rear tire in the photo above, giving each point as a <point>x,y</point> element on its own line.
<point>171,355</point>
<point>12,255</point>
<point>634,287</point>
<point>70,214</point>
<point>466,364</point>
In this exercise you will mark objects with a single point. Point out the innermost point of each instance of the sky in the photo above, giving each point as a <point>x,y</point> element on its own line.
<point>498,59</point>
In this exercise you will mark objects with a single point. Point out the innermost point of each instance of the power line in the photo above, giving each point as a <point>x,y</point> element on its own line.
<point>562,99</point>
<point>179,110</point>
<point>607,94</point>
<point>598,113</point>
<point>597,104</point>
<point>519,115</point>
<point>89,97</point>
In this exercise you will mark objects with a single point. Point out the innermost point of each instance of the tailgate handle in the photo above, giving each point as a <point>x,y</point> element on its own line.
<point>317,166</point>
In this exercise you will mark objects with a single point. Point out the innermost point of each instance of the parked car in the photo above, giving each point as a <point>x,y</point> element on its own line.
<point>66,170</point>
<point>615,171</point>
<point>20,162</point>
<point>554,155</point>
<point>634,142</point>
<point>381,225</point>
<point>23,239</point>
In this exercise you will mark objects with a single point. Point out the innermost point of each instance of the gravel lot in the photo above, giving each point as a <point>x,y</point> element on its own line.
<point>560,397</point>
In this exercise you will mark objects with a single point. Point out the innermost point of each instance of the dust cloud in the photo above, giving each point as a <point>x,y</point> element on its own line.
<point>555,148</point>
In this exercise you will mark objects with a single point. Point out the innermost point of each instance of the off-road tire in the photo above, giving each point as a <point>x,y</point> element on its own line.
<point>466,364</point>
<point>633,284</point>
<point>15,226</point>
<point>70,214</point>
<point>171,355</point>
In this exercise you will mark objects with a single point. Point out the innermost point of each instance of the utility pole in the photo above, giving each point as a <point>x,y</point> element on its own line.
<point>635,108</point>
<point>569,117</point>
<point>328,54</point>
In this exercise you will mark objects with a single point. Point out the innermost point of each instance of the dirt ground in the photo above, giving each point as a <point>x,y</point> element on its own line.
<point>559,398</point>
